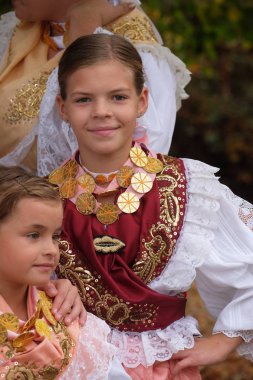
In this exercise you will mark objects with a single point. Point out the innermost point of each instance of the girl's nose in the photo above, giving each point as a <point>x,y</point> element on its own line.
<point>101,108</point>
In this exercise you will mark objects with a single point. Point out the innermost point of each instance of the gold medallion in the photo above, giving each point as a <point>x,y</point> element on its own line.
<point>70,169</point>
<point>141,182</point>
<point>42,328</point>
<point>154,165</point>
<point>23,339</point>
<point>86,203</point>
<point>107,213</point>
<point>3,334</point>
<point>124,176</point>
<point>87,183</point>
<point>29,324</point>
<point>138,157</point>
<point>68,188</point>
<point>56,177</point>
<point>43,298</point>
<point>9,321</point>
<point>48,315</point>
<point>128,202</point>
<point>107,244</point>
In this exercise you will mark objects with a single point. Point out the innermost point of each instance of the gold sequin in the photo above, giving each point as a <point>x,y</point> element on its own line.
<point>124,176</point>
<point>141,182</point>
<point>87,183</point>
<point>138,157</point>
<point>128,202</point>
<point>107,213</point>
<point>153,165</point>
<point>86,203</point>
<point>68,188</point>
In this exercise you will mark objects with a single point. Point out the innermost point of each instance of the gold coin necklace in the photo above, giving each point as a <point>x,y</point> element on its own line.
<point>136,177</point>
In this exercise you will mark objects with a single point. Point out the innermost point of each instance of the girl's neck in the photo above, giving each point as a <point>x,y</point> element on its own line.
<point>104,163</point>
<point>16,299</point>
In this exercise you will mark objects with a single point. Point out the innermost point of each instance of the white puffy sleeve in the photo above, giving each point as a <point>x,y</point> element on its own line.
<point>225,278</point>
<point>167,75</point>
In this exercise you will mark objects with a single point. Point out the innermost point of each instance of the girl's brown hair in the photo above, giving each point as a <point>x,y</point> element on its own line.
<point>91,49</point>
<point>16,184</point>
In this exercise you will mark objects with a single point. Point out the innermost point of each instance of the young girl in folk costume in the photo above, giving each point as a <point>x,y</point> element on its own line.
<point>138,227</point>
<point>31,131</point>
<point>33,345</point>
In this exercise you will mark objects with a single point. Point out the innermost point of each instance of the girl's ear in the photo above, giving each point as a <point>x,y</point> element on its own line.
<point>61,108</point>
<point>143,102</point>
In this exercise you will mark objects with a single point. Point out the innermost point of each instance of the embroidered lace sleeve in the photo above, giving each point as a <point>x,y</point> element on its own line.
<point>224,279</point>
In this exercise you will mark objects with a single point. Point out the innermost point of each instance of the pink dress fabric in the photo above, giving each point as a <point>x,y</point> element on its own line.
<point>162,371</point>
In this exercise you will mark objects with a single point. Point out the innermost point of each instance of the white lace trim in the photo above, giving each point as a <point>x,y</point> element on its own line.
<point>147,347</point>
<point>93,357</point>
<point>246,348</point>
<point>56,141</point>
<point>7,23</point>
<point>245,209</point>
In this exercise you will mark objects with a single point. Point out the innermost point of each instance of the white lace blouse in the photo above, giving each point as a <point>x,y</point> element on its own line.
<point>215,248</point>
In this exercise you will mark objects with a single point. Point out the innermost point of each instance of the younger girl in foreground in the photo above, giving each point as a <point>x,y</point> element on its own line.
<point>33,345</point>
<point>140,227</point>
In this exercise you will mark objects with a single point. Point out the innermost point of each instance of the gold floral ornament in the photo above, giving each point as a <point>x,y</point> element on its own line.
<point>87,183</point>
<point>138,157</point>
<point>107,244</point>
<point>68,188</point>
<point>141,182</point>
<point>124,176</point>
<point>107,213</point>
<point>42,328</point>
<point>128,202</point>
<point>58,176</point>
<point>20,372</point>
<point>23,340</point>
<point>154,165</point>
<point>9,321</point>
<point>86,203</point>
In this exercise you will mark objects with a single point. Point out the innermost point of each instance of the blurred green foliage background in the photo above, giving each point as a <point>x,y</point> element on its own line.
<point>215,39</point>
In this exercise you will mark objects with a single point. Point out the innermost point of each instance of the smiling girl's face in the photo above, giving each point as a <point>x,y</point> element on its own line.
<point>102,105</point>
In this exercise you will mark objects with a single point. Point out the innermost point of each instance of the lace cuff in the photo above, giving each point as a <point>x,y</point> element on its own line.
<point>246,348</point>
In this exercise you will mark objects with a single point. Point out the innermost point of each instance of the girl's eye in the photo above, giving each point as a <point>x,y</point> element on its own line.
<point>120,97</point>
<point>33,235</point>
<point>83,100</point>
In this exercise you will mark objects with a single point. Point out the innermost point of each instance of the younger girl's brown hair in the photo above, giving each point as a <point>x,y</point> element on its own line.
<point>16,184</point>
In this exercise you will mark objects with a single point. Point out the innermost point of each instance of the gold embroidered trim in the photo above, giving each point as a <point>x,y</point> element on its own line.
<point>160,243</point>
<point>25,105</point>
<point>136,28</point>
<point>100,301</point>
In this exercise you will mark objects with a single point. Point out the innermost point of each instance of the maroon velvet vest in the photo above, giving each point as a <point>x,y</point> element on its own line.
<point>114,286</point>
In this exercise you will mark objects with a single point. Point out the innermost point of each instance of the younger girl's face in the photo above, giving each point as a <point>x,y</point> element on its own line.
<point>29,249</point>
<point>102,106</point>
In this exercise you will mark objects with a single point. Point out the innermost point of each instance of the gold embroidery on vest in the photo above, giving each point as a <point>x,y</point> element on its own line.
<point>136,28</point>
<point>25,105</point>
<point>102,303</point>
<point>156,249</point>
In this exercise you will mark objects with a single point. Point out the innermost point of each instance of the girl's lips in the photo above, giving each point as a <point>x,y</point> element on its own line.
<point>103,131</point>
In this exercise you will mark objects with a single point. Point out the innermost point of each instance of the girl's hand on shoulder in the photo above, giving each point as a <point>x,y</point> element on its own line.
<point>206,351</point>
<point>84,16</point>
<point>67,303</point>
